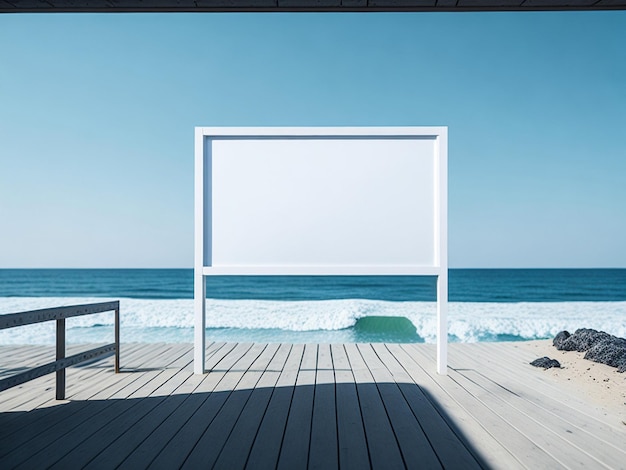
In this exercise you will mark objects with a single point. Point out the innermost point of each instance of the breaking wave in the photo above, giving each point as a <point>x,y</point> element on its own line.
<point>352,320</point>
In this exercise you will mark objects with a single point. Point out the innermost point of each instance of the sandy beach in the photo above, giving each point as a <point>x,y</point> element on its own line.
<point>597,383</point>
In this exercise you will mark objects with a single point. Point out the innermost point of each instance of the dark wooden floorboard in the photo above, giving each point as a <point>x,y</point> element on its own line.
<point>127,442</point>
<point>238,446</point>
<point>414,445</point>
<point>210,445</point>
<point>323,453</point>
<point>269,406</point>
<point>447,442</point>
<point>87,428</point>
<point>295,446</point>
<point>30,397</point>
<point>31,445</point>
<point>507,435</point>
<point>267,443</point>
<point>160,438</point>
<point>351,443</point>
<point>381,442</point>
<point>178,449</point>
<point>113,444</point>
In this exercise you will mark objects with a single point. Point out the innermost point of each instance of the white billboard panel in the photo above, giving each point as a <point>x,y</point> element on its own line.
<point>321,202</point>
<point>366,201</point>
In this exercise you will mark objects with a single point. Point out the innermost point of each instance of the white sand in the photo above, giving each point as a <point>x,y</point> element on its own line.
<point>597,383</point>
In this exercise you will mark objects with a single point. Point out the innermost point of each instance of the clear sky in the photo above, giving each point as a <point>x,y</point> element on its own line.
<point>97,115</point>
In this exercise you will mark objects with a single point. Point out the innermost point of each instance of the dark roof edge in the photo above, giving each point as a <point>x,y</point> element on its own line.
<point>308,9</point>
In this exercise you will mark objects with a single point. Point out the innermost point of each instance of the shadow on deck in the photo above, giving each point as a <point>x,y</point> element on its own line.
<point>342,425</point>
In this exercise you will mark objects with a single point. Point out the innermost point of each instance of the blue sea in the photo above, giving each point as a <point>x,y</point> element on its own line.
<point>157,305</point>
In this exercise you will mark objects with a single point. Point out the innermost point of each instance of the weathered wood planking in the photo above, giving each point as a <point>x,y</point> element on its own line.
<point>573,423</point>
<point>381,441</point>
<point>266,447</point>
<point>295,446</point>
<point>352,445</point>
<point>557,423</point>
<point>323,452</point>
<point>245,430</point>
<point>342,406</point>
<point>479,439</point>
<point>84,421</point>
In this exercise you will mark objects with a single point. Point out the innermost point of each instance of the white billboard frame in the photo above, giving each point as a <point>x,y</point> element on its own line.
<point>220,151</point>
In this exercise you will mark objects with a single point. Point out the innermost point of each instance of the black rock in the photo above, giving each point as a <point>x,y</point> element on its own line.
<point>582,340</point>
<point>599,346</point>
<point>559,339</point>
<point>611,351</point>
<point>545,362</point>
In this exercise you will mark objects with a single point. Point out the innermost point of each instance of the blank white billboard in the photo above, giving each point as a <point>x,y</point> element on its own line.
<point>321,201</point>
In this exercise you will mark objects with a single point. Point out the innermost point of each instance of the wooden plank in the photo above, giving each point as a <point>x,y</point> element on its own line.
<point>153,431</point>
<point>42,453</point>
<point>129,416</point>
<point>267,443</point>
<point>452,449</point>
<point>237,448</point>
<point>82,420</point>
<point>413,442</point>
<point>32,395</point>
<point>40,356</point>
<point>324,359</point>
<point>449,397</point>
<point>37,389</point>
<point>49,403</point>
<point>381,442</point>
<point>573,447</point>
<point>509,361</point>
<point>166,433</point>
<point>552,397</point>
<point>339,358</point>
<point>131,352</point>
<point>235,356</point>
<point>210,445</point>
<point>35,395</point>
<point>19,358</point>
<point>524,425</point>
<point>277,364</point>
<point>32,425</point>
<point>514,441</point>
<point>56,366</point>
<point>309,358</point>
<point>228,348</point>
<point>561,422</point>
<point>149,427</point>
<point>493,406</point>
<point>537,382</point>
<point>294,452</point>
<point>351,443</point>
<point>177,450</point>
<point>140,360</point>
<point>323,452</point>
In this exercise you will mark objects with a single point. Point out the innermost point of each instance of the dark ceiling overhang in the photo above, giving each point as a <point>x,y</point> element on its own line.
<point>60,6</point>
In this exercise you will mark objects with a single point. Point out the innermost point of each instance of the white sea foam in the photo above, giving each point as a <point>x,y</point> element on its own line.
<point>172,320</point>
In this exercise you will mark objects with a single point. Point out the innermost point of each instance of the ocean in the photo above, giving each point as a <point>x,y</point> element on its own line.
<point>157,305</point>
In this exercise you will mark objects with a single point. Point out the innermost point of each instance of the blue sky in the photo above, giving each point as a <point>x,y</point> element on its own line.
<point>97,115</point>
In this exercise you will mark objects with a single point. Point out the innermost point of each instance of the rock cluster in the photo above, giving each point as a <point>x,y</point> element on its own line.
<point>598,346</point>
<point>545,362</point>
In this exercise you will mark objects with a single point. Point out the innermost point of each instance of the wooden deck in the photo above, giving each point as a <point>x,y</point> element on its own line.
<point>292,406</point>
